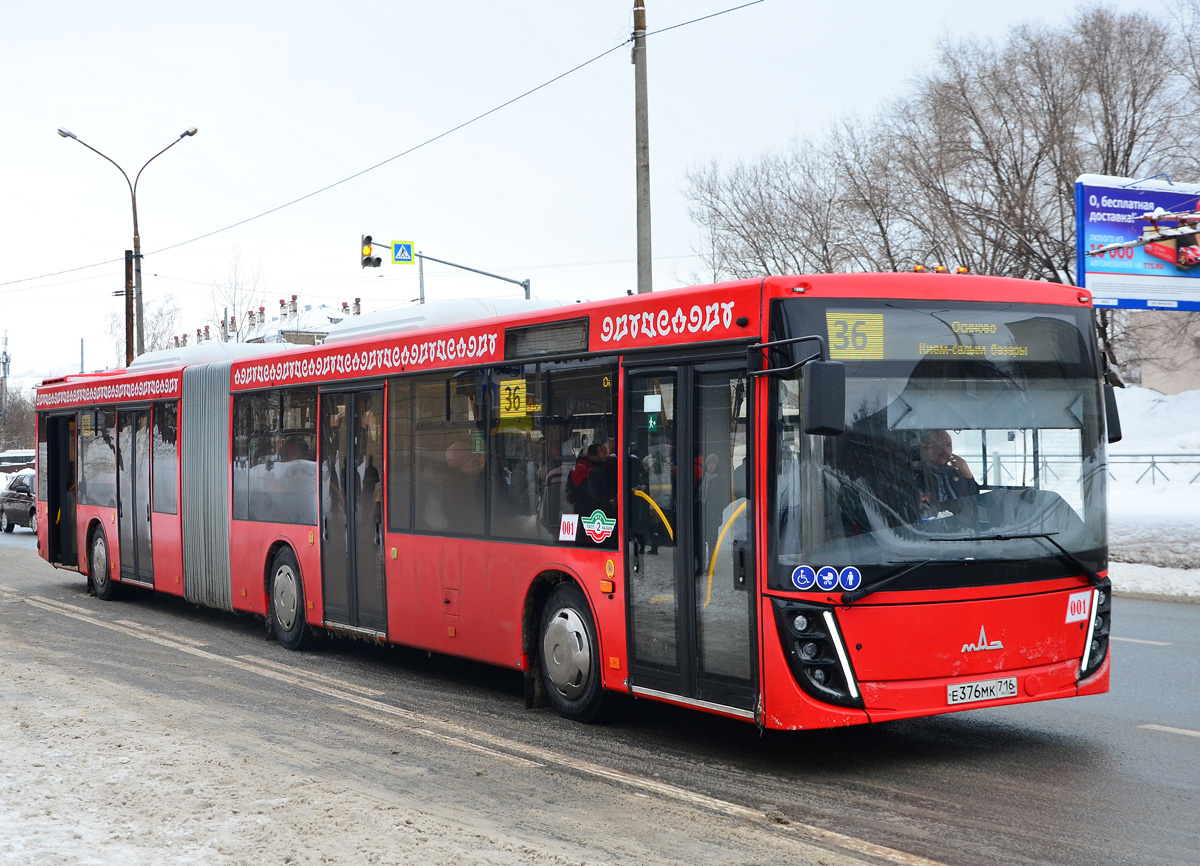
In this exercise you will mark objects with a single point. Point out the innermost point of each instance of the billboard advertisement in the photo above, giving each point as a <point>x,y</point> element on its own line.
<point>1160,271</point>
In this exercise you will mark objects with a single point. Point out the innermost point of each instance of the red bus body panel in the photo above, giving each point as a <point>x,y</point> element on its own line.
<point>167,539</point>
<point>906,655</point>
<point>251,547</point>
<point>467,597</point>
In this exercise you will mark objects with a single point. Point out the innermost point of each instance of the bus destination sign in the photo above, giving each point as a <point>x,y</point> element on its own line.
<point>913,335</point>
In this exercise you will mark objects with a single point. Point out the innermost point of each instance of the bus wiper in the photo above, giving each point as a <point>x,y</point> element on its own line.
<point>1071,558</point>
<point>863,591</point>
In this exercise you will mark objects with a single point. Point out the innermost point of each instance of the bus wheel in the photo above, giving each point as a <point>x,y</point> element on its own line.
<point>102,582</point>
<point>570,655</point>
<point>287,601</point>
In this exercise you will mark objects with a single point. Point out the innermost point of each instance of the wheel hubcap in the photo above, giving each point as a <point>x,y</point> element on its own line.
<point>99,566</point>
<point>285,597</point>
<point>567,654</point>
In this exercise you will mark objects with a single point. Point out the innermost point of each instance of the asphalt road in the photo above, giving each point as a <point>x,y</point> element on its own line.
<point>1098,780</point>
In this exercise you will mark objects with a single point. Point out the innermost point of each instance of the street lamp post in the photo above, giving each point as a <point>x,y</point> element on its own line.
<point>137,241</point>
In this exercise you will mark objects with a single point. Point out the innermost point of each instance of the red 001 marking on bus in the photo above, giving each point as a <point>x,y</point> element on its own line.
<point>1079,606</point>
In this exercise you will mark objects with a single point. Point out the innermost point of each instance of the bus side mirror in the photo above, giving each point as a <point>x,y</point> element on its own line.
<point>1110,413</point>
<point>824,398</point>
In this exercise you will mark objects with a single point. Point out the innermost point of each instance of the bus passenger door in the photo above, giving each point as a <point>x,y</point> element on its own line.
<point>133,496</point>
<point>351,510</point>
<point>60,504</point>
<point>689,566</point>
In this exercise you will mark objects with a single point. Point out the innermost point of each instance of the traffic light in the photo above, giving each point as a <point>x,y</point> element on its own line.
<point>369,261</point>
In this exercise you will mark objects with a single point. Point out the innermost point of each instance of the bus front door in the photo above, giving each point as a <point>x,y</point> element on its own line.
<point>133,496</point>
<point>689,566</point>
<point>351,512</point>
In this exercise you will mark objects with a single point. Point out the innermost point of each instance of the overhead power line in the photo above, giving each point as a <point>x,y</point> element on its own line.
<point>403,153</point>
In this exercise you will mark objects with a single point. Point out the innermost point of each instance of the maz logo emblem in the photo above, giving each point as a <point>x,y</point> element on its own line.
<point>983,644</point>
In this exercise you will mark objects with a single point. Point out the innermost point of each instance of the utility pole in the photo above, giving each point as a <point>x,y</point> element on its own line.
<point>129,308</point>
<point>642,136</point>
<point>4,380</point>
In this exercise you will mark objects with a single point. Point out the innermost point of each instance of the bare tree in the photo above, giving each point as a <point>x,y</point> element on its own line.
<point>976,165</point>
<point>160,325</point>
<point>236,293</point>
<point>17,421</point>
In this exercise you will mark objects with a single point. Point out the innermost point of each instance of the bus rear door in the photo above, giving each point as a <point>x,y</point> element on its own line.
<point>351,514</point>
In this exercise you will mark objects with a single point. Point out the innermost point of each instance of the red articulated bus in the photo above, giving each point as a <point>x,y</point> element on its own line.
<point>803,501</point>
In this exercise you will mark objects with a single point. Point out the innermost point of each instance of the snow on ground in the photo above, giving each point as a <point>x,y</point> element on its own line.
<point>1154,524</point>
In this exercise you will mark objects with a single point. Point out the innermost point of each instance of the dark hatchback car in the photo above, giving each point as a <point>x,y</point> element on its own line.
<point>17,504</point>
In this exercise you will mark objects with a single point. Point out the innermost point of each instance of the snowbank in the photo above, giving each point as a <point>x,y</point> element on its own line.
<point>1156,525</point>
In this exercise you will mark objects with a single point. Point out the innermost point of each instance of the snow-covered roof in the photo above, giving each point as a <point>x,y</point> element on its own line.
<point>309,320</point>
<point>207,352</point>
<point>445,312</point>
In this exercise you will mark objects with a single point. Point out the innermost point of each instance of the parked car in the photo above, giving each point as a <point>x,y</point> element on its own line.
<point>18,507</point>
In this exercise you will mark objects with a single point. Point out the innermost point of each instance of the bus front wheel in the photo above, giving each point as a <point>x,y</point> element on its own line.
<point>287,601</point>
<point>102,582</point>
<point>571,655</point>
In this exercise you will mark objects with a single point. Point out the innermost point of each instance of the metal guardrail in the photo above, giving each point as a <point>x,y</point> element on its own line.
<point>1154,464</point>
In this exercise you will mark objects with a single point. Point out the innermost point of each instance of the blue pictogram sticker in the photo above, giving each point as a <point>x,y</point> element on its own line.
<point>827,577</point>
<point>803,577</point>
<point>850,578</point>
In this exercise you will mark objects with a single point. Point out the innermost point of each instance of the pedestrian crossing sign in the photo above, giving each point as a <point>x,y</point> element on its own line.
<point>402,253</point>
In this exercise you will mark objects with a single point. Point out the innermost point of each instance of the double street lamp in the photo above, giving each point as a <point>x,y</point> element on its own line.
<point>137,241</point>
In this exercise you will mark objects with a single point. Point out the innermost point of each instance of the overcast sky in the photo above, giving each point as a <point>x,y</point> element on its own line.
<point>290,97</point>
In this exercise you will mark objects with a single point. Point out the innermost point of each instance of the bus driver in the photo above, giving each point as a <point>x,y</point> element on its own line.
<point>945,476</point>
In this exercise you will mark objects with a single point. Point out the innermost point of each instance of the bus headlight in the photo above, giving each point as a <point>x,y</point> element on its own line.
<point>816,653</point>
<point>1095,647</point>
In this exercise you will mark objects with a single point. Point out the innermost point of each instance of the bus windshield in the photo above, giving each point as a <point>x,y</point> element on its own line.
<point>965,425</point>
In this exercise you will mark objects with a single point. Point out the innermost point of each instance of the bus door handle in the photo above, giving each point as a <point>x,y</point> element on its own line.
<point>635,559</point>
<point>324,528</point>
<point>378,536</point>
<point>739,567</point>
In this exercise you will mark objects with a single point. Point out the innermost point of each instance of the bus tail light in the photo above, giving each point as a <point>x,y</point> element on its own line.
<point>1095,647</point>
<point>816,652</point>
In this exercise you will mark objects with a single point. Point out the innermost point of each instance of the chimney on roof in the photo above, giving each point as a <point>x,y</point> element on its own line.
<point>357,306</point>
<point>232,325</point>
<point>283,310</point>
<point>345,308</point>
<point>207,335</point>
<point>183,340</point>
<point>176,342</point>
<point>293,306</point>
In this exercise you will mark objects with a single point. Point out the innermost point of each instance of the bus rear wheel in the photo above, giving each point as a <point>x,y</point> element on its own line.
<point>102,582</point>
<point>286,595</point>
<point>571,655</point>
